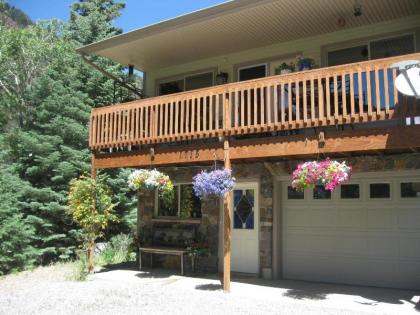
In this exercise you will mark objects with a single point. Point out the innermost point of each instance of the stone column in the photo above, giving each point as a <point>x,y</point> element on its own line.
<point>145,209</point>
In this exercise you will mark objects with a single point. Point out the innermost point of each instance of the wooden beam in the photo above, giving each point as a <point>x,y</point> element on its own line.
<point>336,143</point>
<point>227,226</point>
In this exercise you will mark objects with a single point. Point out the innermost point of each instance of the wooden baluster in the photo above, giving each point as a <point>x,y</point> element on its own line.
<point>297,87</point>
<point>141,125</point>
<point>361,96</point>
<point>205,106</point>
<point>107,128</point>
<point>255,107</point>
<point>386,90</point>
<point>156,107</point>
<point>211,108</point>
<point>91,120</point>
<point>172,104</point>
<point>394,76</point>
<point>312,100</point>
<point>321,117</point>
<point>276,104</point>
<point>268,106</point>
<point>187,116</point>
<point>102,130</point>
<point>242,108</point>
<point>282,104</point>
<point>335,97</point>
<point>199,115</point>
<point>93,129</point>
<point>167,119</point>
<point>352,110</point>
<point>369,92</point>
<point>120,114</point>
<point>147,122</point>
<point>132,127</point>
<point>183,114</point>
<point>112,128</point>
<point>377,93</point>
<point>193,124</point>
<point>262,105</point>
<point>249,114</point>
<point>328,96</point>
<point>217,99</point>
<point>290,91</point>
<point>344,95</point>
<point>305,102</point>
<point>159,121</point>
<point>235,105</point>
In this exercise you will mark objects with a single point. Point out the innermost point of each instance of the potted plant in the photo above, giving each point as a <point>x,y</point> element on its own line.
<point>285,68</point>
<point>197,249</point>
<point>151,180</point>
<point>305,63</point>
<point>328,173</point>
<point>213,184</point>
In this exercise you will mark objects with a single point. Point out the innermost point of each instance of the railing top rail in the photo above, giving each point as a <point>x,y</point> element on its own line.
<point>230,86</point>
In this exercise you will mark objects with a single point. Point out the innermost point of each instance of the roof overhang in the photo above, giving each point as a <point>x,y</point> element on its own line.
<point>240,25</point>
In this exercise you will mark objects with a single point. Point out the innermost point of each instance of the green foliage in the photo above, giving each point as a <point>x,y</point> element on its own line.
<point>119,249</point>
<point>46,94</point>
<point>13,17</point>
<point>16,233</point>
<point>90,205</point>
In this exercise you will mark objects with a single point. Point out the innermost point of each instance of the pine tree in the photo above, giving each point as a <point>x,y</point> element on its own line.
<point>16,233</point>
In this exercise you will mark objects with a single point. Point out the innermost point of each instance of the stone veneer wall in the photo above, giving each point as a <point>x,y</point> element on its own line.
<point>262,172</point>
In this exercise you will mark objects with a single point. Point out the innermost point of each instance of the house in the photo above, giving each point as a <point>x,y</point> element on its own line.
<point>212,94</point>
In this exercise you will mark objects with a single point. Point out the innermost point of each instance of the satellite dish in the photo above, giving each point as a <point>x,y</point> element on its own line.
<point>408,81</point>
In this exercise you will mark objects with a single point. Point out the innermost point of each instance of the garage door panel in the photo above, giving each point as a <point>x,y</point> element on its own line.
<point>323,217</point>
<point>409,218</point>
<point>361,241</point>
<point>382,218</point>
<point>351,218</point>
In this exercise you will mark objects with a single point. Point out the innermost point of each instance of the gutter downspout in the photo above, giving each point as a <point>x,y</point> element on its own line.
<point>109,75</point>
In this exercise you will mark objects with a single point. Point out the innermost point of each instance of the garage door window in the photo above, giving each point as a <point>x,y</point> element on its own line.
<point>380,191</point>
<point>293,194</point>
<point>350,191</point>
<point>410,190</point>
<point>321,193</point>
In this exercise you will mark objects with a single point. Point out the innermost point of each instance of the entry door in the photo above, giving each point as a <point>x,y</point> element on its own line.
<point>245,228</point>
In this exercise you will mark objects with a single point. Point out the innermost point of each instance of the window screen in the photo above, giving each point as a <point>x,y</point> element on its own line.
<point>199,81</point>
<point>390,47</point>
<point>348,55</point>
<point>252,73</point>
<point>171,87</point>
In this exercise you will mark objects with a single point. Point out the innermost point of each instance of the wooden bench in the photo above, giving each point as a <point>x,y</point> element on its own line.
<point>163,251</point>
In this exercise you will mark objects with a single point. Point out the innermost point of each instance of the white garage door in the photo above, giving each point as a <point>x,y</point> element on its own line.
<point>365,233</point>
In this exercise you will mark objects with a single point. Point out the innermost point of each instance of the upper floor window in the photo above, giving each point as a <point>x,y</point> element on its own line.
<point>187,83</point>
<point>375,49</point>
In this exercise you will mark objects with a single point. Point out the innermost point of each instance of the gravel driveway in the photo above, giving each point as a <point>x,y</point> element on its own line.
<point>45,291</point>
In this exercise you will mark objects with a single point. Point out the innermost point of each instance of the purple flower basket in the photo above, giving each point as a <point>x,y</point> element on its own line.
<point>215,183</point>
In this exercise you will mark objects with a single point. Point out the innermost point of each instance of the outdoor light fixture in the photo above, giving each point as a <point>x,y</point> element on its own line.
<point>357,9</point>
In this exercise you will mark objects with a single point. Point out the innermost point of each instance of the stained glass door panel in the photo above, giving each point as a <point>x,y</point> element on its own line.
<point>243,208</point>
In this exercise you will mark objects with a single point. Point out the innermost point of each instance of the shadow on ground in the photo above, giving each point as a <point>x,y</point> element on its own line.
<point>319,291</point>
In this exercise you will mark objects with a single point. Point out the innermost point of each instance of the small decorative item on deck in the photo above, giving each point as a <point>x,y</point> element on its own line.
<point>328,173</point>
<point>285,68</point>
<point>151,180</point>
<point>222,78</point>
<point>215,183</point>
<point>305,63</point>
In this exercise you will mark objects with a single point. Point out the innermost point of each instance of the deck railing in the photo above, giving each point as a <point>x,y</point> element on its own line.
<point>345,94</point>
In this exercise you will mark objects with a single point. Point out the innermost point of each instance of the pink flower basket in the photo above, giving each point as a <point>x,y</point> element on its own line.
<point>328,173</point>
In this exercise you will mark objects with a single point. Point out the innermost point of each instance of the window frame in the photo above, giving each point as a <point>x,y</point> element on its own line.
<point>183,77</point>
<point>156,205</point>
<point>265,64</point>
<point>359,42</point>
<point>391,190</point>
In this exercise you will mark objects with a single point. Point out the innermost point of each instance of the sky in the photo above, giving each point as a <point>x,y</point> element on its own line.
<point>137,13</point>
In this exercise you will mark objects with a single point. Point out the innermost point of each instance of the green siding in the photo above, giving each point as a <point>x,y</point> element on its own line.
<point>311,47</point>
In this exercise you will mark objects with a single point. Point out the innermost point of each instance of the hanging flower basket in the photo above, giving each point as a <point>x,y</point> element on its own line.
<point>328,173</point>
<point>151,180</point>
<point>215,183</point>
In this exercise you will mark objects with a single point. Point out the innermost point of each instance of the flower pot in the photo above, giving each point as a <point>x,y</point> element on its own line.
<point>285,71</point>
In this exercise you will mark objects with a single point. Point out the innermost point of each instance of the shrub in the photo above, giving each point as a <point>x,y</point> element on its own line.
<point>119,249</point>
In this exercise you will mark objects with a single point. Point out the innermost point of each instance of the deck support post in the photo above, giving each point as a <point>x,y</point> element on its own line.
<point>227,226</point>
